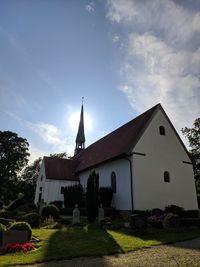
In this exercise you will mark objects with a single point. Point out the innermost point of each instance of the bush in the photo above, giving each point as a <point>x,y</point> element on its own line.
<point>171,221</point>
<point>2,227</point>
<point>21,226</point>
<point>157,212</point>
<point>57,203</point>
<point>173,209</point>
<point>15,204</point>
<point>190,222</point>
<point>189,214</point>
<point>34,219</point>
<point>92,196</point>
<point>6,214</point>
<point>73,195</point>
<point>105,196</point>
<point>50,211</point>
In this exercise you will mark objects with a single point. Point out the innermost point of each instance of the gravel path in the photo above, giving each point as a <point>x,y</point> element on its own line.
<point>184,254</point>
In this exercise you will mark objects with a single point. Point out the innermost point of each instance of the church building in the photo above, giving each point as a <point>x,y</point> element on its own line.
<point>144,161</point>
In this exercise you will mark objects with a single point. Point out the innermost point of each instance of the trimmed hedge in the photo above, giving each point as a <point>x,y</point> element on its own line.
<point>50,211</point>
<point>73,195</point>
<point>21,226</point>
<point>34,219</point>
<point>105,196</point>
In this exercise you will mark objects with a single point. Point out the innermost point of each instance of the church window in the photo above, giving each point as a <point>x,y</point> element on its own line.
<point>41,177</point>
<point>162,130</point>
<point>62,190</point>
<point>113,182</point>
<point>166,177</point>
<point>40,197</point>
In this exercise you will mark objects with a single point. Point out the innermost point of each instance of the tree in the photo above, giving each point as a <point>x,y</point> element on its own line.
<point>62,155</point>
<point>92,196</point>
<point>193,136</point>
<point>28,178</point>
<point>13,158</point>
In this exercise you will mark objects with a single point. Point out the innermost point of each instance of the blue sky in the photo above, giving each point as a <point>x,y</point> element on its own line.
<point>123,56</point>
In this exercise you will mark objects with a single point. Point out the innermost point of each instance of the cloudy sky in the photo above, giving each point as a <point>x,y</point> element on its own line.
<point>123,56</point>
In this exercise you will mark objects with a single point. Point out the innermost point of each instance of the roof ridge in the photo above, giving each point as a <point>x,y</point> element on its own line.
<point>124,125</point>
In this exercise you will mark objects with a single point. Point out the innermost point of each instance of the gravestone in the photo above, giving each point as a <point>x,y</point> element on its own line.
<point>76,216</point>
<point>14,236</point>
<point>100,215</point>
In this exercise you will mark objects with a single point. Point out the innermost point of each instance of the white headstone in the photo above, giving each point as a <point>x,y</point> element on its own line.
<point>76,215</point>
<point>100,214</point>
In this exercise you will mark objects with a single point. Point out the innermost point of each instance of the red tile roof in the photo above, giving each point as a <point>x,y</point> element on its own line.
<point>60,169</point>
<point>117,143</point>
<point>114,145</point>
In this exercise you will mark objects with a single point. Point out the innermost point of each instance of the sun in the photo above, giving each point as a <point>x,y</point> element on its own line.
<point>75,118</point>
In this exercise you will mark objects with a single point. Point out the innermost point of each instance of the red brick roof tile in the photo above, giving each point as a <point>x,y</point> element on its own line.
<point>117,143</point>
<point>60,169</point>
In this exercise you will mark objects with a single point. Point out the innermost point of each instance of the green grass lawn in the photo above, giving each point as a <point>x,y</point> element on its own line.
<point>89,240</point>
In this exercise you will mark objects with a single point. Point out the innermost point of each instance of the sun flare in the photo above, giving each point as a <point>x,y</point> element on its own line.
<point>75,118</point>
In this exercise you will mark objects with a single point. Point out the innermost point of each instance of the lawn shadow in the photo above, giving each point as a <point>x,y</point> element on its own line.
<point>178,237</point>
<point>87,241</point>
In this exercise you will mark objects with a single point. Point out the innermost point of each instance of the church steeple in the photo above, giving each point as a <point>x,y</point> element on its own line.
<point>80,138</point>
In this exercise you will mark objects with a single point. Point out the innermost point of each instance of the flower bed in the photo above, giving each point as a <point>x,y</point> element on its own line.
<point>19,247</point>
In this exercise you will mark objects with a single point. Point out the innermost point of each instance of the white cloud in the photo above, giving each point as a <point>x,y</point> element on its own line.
<point>90,7</point>
<point>161,61</point>
<point>116,39</point>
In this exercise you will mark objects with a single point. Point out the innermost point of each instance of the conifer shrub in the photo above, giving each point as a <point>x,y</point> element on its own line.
<point>33,218</point>
<point>105,196</point>
<point>50,211</point>
<point>92,196</point>
<point>73,195</point>
<point>21,226</point>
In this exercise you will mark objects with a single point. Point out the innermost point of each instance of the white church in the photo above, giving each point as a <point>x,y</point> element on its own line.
<point>144,161</point>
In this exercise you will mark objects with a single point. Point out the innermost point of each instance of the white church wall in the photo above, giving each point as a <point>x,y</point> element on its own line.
<point>163,153</point>
<point>53,189</point>
<point>50,189</point>
<point>40,183</point>
<point>122,198</point>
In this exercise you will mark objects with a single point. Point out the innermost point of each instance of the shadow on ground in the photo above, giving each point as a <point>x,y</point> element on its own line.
<point>85,241</point>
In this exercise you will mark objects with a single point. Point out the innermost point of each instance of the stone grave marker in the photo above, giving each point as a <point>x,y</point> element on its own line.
<point>76,216</point>
<point>14,236</point>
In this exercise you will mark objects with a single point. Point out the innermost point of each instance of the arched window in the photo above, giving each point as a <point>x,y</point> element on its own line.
<point>113,182</point>
<point>166,177</point>
<point>162,130</point>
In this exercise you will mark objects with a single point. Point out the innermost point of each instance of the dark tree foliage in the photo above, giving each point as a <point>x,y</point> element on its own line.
<point>28,178</point>
<point>193,136</point>
<point>62,155</point>
<point>73,195</point>
<point>92,196</point>
<point>105,196</point>
<point>13,158</point>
